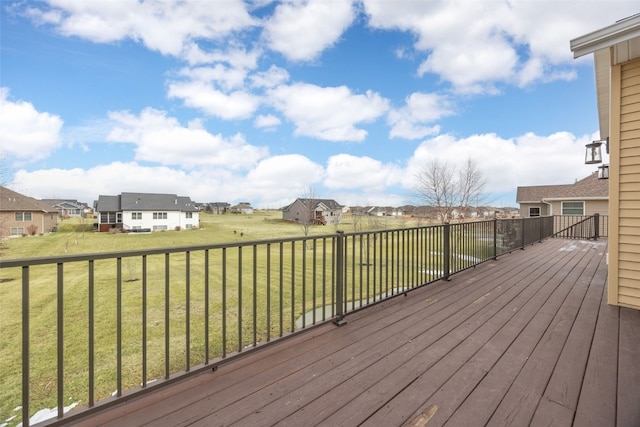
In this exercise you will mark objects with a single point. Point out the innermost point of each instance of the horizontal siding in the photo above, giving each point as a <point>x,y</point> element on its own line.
<point>630,256</point>
<point>628,260</point>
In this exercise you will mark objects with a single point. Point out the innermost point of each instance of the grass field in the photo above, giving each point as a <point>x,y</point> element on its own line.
<point>75,237</point>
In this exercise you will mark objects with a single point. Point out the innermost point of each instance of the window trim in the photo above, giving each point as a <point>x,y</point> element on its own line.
<point>562,207</point>
<point>531,215</point>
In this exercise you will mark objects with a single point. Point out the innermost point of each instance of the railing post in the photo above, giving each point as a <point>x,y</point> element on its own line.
<point>596,224</point>
<point>523,240</point>
<point>339,264</point>
<point>446,243</point>
<point>495,238</point>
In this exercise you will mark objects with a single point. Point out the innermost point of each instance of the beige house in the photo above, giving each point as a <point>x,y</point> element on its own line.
<point>313,211</point>
<point>22,215</point>
<point>616,50</point>
<point>587,196</point>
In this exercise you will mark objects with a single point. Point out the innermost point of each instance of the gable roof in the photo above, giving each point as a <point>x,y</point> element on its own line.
<point>145,202</point>
<point>329,204</point>
<point>11,201</point>
<point>589,188</point>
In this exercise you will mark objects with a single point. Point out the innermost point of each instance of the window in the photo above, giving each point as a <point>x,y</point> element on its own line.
<point>534,211</point>
<point>188,226</point>
<point>159,227</point>
<point>136,215</point>
<point>572,208</point>
<point>23,216</point>
<point>17,231</point>
<point>159,215</point>
<point>189,215</point>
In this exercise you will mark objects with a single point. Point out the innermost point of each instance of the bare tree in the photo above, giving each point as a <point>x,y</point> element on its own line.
<point>441,186</point>
<point>308,217</point>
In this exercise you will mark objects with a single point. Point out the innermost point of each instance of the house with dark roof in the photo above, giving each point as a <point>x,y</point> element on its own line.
<point>146,212</point>
<point>21,215</point>
<point>313,211</point>
<point>68,207</point>
<point>587,196</point>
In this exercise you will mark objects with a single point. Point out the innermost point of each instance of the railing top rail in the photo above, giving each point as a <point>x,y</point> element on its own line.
<point>55,259</point>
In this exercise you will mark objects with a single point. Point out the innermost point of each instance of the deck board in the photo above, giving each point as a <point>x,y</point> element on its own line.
<point>524,340</point>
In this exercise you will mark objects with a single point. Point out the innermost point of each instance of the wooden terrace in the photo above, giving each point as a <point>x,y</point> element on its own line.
<point>525,340</point>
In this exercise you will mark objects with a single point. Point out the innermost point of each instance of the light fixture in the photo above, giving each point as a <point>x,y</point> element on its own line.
<point>603,172</point>
<point>593,153</point>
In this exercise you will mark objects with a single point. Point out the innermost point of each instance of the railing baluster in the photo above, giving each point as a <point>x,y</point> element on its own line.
<point>25,346</point>
<point>60,323</point>
<point>224,302</point>
<point>187,320</point>
<point>167,281</point>
<point>144,320</point>
<point>91,333</point>
<point>239,299</point>
<point>255,295</point>
<point>206,306</point>
<point>268,292</point>
<point>119,326</point>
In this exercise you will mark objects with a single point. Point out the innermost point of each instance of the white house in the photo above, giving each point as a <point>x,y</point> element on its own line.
<point>146,211</point>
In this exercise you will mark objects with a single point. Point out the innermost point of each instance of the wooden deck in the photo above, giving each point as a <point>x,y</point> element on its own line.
<point>524,340</point>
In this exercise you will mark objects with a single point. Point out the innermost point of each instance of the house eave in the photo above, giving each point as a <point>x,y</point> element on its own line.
<point>621,31</point>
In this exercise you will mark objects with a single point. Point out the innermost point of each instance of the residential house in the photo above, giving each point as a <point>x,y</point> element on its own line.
<point>68,207</point>
<point>241,208</point>
<point>146,212</point>
<point>21,215</point>
<point>616,51</point>
<point>218,208</point>
<point>587,196</point>
<point>310,211</point>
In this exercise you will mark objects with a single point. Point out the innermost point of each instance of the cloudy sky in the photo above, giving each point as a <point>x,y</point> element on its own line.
<point>260,101</point>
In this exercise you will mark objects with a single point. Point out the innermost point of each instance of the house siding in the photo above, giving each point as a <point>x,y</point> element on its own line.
<point>624,261</point>
<point>43,222</point>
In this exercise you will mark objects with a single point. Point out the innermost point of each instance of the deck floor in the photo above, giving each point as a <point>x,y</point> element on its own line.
<point>525,340</point>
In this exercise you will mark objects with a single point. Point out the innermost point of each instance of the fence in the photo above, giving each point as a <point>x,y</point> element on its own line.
<point>94,328</point>
<point>581,226</point>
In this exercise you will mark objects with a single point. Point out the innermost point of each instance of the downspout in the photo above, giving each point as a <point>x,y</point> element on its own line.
<point>550,207</point>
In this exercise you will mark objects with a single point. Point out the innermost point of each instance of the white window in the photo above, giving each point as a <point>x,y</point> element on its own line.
<point>23,216</point>
<point>189,215</point>
<point>572,208</point>
<point>534,211</point>
<point>159,227</point>
<point>136,215</point>
<point>188,226</point>
<point>159,215</point>
<point>17,231</point>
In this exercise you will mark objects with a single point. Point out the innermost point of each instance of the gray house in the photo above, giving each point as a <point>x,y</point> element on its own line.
<point>146,211</point>
<point>313,211</point>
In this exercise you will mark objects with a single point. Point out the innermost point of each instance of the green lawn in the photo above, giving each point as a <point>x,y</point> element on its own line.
<point>71,239</point>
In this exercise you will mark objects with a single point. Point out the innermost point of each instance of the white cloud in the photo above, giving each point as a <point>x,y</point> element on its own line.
<point>490,42</point>
<point>273,77</point>
<point>345,171</point>
<point>162,139</point>
<point>301,30</point>
<point>228,106</point>
<point>410,121</point>
<point>282,177</point>
<point>169,27</point>
<point>26,133</point>
<point>328,113</point>
<point>266,121</point>
<point>508,163</point>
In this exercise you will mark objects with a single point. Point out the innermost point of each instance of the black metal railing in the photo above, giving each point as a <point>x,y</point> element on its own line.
<point>96,327</point>
<point>581,226</point>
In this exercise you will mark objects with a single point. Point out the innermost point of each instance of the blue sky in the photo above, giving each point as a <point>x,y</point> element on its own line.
<point>261,101</point>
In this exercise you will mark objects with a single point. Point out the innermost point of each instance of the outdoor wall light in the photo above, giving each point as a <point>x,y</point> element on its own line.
<point>594,151</point>
<point>603,172</point>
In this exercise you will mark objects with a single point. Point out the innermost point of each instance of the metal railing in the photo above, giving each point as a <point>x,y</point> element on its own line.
<point>581,226</point>
<point>106,325</point>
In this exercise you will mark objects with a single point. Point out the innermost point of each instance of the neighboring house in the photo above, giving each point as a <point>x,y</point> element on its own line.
<point>218,208</point>
<point>318,211</point>
<point>616,50</point>
<point>585,197</point>
<point>20,215</point>
<point>68,207</point>
<point>146,211</point>
<point>241,208</point>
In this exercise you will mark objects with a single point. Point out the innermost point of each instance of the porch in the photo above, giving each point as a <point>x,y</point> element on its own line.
<point>527,339</point>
